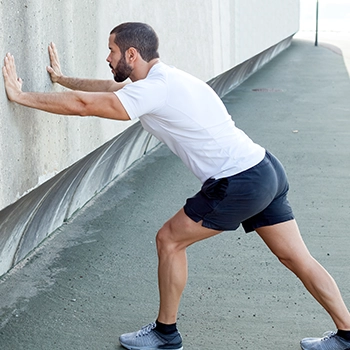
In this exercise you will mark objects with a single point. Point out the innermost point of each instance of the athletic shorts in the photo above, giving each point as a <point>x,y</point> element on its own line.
<point>254,198</point>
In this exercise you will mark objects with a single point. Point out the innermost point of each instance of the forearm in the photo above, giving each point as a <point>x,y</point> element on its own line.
<point>91,85</point>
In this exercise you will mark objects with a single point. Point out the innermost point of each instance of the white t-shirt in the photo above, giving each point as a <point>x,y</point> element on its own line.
<point>188,116</point>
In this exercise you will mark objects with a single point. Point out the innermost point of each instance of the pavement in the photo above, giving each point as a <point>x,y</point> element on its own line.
<point>338,41</point>
<point>95,277</point>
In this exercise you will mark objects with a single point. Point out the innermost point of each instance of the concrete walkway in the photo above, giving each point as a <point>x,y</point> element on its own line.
<point>95,278</point>
<point>338,41</point>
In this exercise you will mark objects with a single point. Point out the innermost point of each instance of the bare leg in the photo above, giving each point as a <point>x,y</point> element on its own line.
<point>172,240</point>
<point>285,242</point>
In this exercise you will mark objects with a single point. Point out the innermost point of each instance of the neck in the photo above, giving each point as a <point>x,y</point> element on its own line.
<point>141,71</point>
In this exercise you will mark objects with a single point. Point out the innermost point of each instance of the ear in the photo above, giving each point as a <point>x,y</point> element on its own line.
<point>131,55</point>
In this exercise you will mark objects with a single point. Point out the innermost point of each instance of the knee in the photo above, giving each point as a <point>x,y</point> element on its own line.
<point>287,262</point>
<point>163,238</point>
<point>298,265</point>
<point>166,240</point>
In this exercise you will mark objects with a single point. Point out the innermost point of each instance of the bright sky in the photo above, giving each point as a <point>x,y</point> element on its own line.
<point>334,15</point>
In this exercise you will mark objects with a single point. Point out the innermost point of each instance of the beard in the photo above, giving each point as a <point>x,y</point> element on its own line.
<point>122,71</point>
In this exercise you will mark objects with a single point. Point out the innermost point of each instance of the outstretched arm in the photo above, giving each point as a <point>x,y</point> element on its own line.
<point>101,104</point>
<point>93,85</point>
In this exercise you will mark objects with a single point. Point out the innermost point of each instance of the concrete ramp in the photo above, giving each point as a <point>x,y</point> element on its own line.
<point>95,278</point>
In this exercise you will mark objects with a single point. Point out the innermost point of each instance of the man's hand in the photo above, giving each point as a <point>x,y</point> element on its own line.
<point>55,68</point>
<point>90,85</point>
<point>13,84</point>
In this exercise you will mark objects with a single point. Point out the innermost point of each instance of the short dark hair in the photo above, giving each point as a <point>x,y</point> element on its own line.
<point>141,36</point>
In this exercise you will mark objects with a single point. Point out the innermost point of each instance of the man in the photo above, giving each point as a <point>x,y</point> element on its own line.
<point>242,182</point>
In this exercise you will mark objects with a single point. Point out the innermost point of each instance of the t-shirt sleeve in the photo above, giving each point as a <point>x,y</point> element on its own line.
<point>141,97</point>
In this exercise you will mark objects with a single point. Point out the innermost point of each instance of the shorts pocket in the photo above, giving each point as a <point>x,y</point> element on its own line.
<point>215,189</point>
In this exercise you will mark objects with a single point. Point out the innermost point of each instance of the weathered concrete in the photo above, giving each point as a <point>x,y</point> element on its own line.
<point>96,276</point>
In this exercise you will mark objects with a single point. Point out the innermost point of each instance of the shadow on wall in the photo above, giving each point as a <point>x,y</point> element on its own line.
<point>26,223</point>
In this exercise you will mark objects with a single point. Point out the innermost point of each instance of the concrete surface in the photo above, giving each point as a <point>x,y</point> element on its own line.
<point>333,25</point>
<point>95,278</point>
<point>338,42</point>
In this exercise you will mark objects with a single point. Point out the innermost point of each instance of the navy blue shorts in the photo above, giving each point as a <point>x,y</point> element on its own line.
<point>254,198</point>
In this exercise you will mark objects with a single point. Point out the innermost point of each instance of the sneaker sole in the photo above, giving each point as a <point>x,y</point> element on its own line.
<point>143,348</point>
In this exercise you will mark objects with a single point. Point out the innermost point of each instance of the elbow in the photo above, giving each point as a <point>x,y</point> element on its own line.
<point>81,108</point>
<point>83,112</point>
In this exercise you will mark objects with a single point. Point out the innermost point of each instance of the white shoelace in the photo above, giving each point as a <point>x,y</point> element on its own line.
<point>146,330</point>
<point>328,335</point>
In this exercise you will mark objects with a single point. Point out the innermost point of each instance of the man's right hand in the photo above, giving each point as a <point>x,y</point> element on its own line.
<point>55,68</point>
<point>13,84</point>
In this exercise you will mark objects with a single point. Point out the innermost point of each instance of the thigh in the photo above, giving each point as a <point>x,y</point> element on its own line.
<point>285,241</point>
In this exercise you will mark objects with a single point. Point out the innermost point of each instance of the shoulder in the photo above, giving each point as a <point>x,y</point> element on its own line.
<point>153,86</point>
<point>147,95</point>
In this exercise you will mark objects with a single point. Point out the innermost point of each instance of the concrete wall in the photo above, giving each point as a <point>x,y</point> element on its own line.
<point>38,151</point>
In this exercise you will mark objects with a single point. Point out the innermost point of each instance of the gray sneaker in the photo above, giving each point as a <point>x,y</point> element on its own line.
<point>147,338</point>
<point>329,341</point>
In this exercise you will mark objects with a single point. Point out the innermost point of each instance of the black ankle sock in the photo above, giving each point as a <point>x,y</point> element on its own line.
<point>165,328</point>
<point>344,334</point>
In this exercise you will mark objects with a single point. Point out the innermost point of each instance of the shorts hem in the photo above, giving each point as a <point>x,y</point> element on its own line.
<point>212,226</point>
<point>206,223</point>
<point>268,222</point>
<point>192,215</point>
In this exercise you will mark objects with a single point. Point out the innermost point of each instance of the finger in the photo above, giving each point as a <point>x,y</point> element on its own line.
<point>10,66</point>
<point>51,54</point>
<point>52,51</point>
<point>10,61</point>
<point>4,72</point>
<point>54,48</point>
<point>7,57</point>
<point>54,57</point>
<point>7,61</point>
<point>50,70</point>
